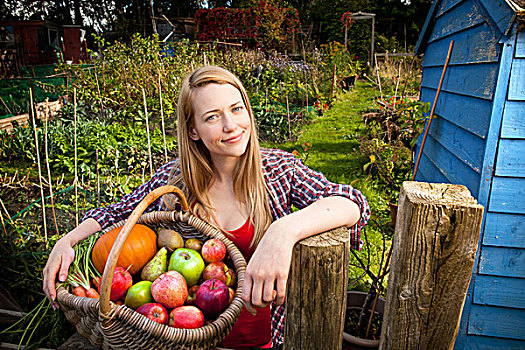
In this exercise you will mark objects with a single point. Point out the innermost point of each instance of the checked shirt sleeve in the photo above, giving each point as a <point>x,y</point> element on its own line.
<point>309,185</point>
<point>113,213</point>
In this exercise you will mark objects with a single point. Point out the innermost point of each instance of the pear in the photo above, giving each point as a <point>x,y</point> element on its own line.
<point>169,239</point>
<point>156,266</point>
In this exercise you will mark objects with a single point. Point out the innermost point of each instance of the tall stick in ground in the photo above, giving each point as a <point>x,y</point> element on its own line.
<point>162,120</point>
<point>33,112</point>
<point>288,116</point>
<point>49,169</point>
<point>98,178</point>
<point>75,146</point>
<point>147,132</point>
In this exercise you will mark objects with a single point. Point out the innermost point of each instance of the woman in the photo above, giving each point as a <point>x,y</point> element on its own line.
<point>246,192</point>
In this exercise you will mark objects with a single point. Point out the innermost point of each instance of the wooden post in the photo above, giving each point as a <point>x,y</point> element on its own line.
<point>435,242</point>
<point>316,296</point>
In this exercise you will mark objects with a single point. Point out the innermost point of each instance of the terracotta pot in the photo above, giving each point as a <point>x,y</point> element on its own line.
<point>355,300</point>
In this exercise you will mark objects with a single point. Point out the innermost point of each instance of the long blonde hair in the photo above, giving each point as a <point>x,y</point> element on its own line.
<point>196,176</point>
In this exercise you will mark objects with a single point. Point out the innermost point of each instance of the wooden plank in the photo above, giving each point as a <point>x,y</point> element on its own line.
<point>500,291</point>
<point>511,158</point>
<point>517,80</point>
<point>478,44</point>
<point>467,147</point>
<point>461,17</point>
<point>425,31</point>
<point>500,12</point>
<point>470,113</point>
<point>477,80</point>
<point>450,166</point>
<point>504,230</point>
<point>446,5</point>
<point>520,45</point>
<point>434,245</point>
<point>479,342</point>
<point>513,125</point>
<point>500,261</point>
<point>317,287</point>
<point>497,322</point>
<point>485,181</point>
<point>508,195</point>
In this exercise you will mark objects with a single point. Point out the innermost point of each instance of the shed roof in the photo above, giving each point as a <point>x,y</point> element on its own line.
<point>502,12</point>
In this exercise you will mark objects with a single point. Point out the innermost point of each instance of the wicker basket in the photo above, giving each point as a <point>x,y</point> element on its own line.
<point>112,326</point>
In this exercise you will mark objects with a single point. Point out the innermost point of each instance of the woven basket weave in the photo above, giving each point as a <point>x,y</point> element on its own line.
<point>118,327</point>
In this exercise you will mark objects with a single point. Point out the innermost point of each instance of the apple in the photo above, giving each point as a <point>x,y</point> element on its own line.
<point>193,243</point>
<point>170,289</point>
<point>213,250</point>
<point>155,312</point>
<point>192,294</point>
<point>219,271</point>
<point>120,284</point>
<point>213,297</point>
<point>189,263</point>
<point>186,317</point>
<point>139,294</point>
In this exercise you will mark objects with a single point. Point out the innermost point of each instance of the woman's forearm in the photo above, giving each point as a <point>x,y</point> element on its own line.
<point>323,215</point>
<point>82,231</point>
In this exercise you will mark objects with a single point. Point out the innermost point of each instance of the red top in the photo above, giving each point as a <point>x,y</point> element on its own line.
<point>248,331</point>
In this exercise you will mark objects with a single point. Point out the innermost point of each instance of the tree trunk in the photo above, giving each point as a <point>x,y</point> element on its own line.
<point>435,243</point>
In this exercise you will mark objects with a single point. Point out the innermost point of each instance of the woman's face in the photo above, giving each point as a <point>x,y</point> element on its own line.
<point>220,120</point>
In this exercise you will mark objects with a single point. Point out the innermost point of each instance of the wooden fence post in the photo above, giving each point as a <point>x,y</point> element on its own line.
<point>316,296</point>
<point>435,242</point>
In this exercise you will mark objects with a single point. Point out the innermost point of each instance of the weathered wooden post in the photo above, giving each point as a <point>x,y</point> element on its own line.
<point>435,242</point>
<point>316,296</point>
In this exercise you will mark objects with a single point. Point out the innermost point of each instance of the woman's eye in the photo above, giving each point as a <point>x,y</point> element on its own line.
<point>211,117</point>
<point>237,109</point>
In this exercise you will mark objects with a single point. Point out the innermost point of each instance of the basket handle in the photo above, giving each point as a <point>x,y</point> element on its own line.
<point>111,263</point>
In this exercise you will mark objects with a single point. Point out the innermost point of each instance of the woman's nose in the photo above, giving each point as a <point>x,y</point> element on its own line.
<point>228,123</point>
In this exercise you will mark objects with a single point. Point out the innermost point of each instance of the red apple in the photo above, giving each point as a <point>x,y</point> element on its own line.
<point>213,297</point>
<point>120,284</point>
<point>192,295</point>
<point>186,317</point>
<point>170,289</point>
<point>213,250</point>
<point>155,312</point>
<point>193,243</point>
<point>219,271</point>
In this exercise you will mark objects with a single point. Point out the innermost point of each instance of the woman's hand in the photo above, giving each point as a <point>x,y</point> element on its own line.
<point>267,271</point>
<point>60,258</point>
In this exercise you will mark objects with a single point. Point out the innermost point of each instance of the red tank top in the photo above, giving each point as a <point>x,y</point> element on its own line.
<point>249,330</point>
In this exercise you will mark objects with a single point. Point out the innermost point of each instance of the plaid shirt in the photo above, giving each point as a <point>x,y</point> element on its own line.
<point>290,183</point>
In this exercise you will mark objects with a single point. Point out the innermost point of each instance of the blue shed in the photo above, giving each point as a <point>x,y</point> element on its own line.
<point>477,139</point>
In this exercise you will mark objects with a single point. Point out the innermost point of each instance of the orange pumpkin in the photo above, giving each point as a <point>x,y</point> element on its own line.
<point>139,248</point>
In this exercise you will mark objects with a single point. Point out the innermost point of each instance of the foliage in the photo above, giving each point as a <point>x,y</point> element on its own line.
<point>339,56</point>
<point>120,148</point>
<point>263,25</point>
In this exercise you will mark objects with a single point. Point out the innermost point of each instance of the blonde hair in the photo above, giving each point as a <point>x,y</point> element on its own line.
<point>196,167</point>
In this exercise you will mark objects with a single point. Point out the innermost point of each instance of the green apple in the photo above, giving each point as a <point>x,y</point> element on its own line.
<point>139,294</point>
<point>188,263</point>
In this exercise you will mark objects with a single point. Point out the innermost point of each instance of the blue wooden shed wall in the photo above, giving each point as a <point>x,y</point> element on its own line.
<point>478,139</point>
